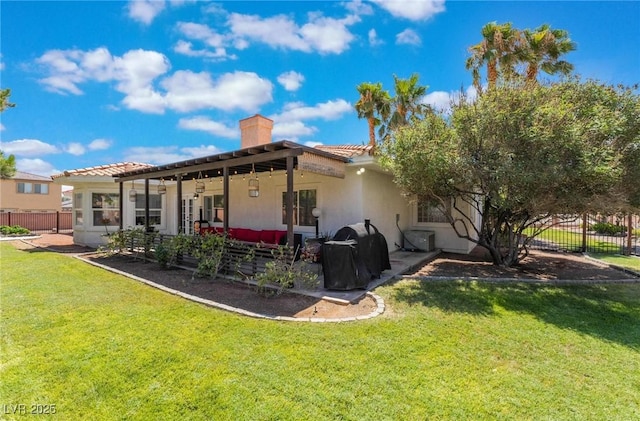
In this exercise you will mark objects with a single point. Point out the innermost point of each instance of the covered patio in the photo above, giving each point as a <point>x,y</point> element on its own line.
<point>255,163</point>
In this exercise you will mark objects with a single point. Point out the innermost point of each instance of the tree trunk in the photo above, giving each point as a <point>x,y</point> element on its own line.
<point>372,132</point>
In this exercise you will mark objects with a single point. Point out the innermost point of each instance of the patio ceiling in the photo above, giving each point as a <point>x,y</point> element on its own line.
<point>264,158</point>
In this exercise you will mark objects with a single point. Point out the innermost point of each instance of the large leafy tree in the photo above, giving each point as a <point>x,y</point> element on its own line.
<point>517,156</point>
<point>497,51</point>
<point>374,104</point>
<point>7,164</point>
<point>542,49</point>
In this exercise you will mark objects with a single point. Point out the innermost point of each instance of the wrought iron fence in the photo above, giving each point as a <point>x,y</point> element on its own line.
<point>39,222</point>
<point>618,234</point>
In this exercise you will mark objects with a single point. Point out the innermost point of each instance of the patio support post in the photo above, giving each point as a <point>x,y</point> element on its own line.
<point>121,205</point>
<point>146,205</point>
<point>179,202</point>
<point>225,195</point>
<point>289,204</point>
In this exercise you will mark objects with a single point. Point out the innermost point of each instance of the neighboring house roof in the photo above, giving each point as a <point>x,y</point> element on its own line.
<point>348,151</point>
<point>20,175</point>
<point>108,170</point>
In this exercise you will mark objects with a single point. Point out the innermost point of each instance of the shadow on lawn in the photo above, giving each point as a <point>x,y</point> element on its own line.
<point>610,312</point>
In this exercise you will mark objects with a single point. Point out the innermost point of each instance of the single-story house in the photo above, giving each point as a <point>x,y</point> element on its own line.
<point>264,185</point>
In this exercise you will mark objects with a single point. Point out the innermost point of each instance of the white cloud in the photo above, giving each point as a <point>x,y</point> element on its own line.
<point>413,10</point>
<point>189,91</point>
<point>100,144</point>
<point>202,150</point>
<point>214,42</point>
<point>290,123</point>
<point>357,7</point>
<point>291,81</point>
<point>205,124</point>
<point>330,110</point>
<point>28,147</point>
<point>292,130</point>
<point>75,148</point>
<point>136,75</point>
<point>441,101</point>
<point>154,155</point>
<point>373,38</point>
<point>408,36</point>
<point>145,11</point>
<point>166,154</point>
<point>322,34</point>
<point>1,127</point>
<point>36,166</point>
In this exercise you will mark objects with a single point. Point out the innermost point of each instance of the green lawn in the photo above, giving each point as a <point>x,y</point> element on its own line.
<point>572,241</point>
<point>629,262</point>
<point>100,346</point>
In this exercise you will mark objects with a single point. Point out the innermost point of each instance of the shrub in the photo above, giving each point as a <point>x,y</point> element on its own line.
<point>282,273</point>
<point>13,230</point>
<point>607,228</point>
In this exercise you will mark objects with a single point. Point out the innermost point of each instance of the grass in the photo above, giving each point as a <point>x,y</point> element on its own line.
<point>100,346</point>
<point>628,262</point>
<point>572,241</point>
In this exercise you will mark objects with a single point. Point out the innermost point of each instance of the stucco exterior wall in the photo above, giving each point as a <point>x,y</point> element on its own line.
<point>12,201</point>
<point>371,195</point>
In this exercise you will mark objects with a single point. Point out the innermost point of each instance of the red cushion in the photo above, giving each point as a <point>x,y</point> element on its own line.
<point>268,236</point>
<point>280,237</point>
<point>252,236</point>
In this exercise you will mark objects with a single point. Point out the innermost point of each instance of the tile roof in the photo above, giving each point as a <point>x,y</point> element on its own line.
<point>108,170</point>
<point>20,175</point>
<point>348,151</point>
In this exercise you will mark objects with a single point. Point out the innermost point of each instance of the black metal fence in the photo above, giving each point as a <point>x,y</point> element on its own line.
<point>618,234</point>
<point>39,222</point>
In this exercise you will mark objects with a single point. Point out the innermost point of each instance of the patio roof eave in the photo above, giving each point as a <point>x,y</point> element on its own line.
<point>270,156</point>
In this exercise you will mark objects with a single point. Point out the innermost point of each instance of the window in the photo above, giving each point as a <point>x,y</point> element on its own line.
<point>33,188</point>
<point>429,210</point>
<point>155,209</point>
<point>106,209</point>
<point>77,209</point>
<point>214,208</point>
<point>303,203</point>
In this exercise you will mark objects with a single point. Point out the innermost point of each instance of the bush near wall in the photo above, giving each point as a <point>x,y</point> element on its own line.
<point>608,228</point>
<point>13,230</point>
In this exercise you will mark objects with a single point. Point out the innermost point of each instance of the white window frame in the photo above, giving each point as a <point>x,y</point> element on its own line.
<point>296,208</point>
<point>211,211</point>
<point>32,188</point>
<point>161,209</point>
<point>416,214</point>
<point>114,211</point>
<point>78,210</point>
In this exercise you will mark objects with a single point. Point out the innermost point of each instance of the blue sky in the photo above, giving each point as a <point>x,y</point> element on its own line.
<point>162,81</point>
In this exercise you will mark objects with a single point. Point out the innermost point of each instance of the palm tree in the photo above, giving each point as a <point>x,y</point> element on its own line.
<point>497,50</point>
<point>542,49</point>
<point>407,103</point>
<point>374,101</point>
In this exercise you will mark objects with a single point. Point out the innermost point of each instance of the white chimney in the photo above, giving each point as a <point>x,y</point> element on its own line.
<point>255,131</point>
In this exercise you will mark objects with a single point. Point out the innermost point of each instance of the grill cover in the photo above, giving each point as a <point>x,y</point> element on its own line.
<point>357,254</point>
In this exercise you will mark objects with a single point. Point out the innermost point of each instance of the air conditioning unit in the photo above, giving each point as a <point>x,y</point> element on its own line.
<point>419,240</point>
